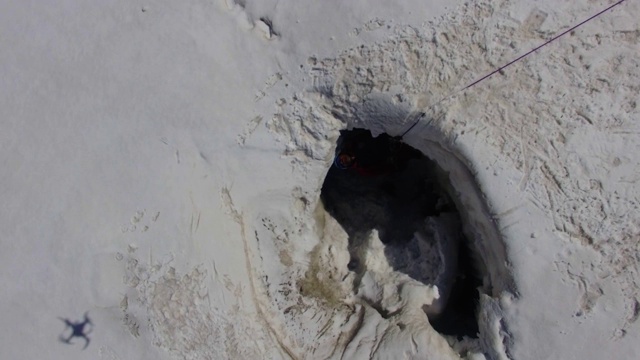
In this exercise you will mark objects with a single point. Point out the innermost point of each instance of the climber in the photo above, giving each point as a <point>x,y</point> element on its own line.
<point>369,156</point>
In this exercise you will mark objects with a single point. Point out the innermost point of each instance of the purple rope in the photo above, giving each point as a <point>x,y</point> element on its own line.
<point>546,43</point>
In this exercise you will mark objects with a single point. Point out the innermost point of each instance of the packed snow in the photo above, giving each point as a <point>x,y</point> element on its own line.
<point>170,188</point>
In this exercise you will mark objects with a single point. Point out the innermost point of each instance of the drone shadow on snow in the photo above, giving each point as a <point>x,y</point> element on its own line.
<point>79,329</point>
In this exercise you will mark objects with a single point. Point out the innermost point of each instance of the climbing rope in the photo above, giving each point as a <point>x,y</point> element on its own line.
<point>514,61</point>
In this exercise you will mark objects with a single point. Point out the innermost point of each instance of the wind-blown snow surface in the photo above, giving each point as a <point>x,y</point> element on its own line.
<point>162,165</point>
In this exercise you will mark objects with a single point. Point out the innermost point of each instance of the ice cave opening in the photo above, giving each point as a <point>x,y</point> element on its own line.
<point>384,184</point>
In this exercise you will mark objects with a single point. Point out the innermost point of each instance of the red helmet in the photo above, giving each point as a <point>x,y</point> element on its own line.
<point>344,161</point>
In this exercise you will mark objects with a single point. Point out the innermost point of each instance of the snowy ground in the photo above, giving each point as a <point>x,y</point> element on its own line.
<point>162,166</point>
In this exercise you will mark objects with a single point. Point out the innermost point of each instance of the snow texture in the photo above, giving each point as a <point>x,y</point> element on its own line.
<point>163,162</point>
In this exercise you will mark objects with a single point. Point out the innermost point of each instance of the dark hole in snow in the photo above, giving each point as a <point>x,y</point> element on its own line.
<point>384,184</point>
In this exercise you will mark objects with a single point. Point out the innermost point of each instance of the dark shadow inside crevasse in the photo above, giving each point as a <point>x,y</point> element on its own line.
<point>384,184</point>
<point>459,317</point>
